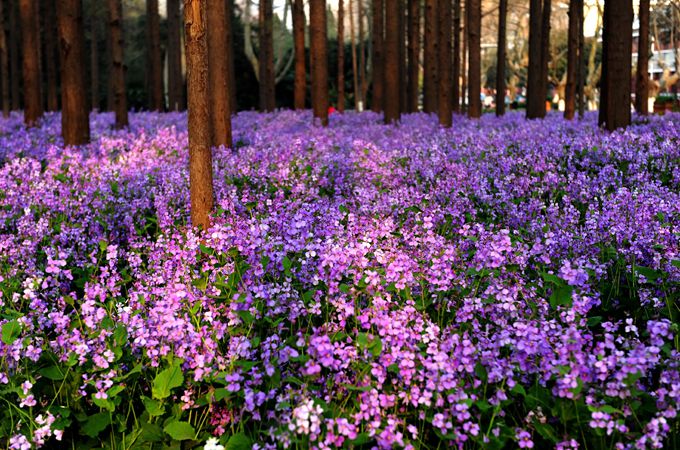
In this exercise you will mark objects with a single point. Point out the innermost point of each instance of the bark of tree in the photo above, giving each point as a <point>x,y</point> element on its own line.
<point>500,61</point>
<point>14,50</point>
<point>319,64</point>
<point>642,75</point>
<point>572,61</point>
<point>455,95</point>
<point>94,59</point>
<point>444,76</point>
<point>579,67</point>
<point>51,56</point>
<point>378,56</point>
<point>413,54</point>
<point>474,8</point>
<point>266,56</point>
<point>355,74</point>
<point>403,75</point>
<point>231,73</point>
<point>75,120</point>
<point>392,111</point>
<point>217,73</point>
<point>616,63</point>
<point>154,55</point>
<point>31,62</point>
<point>175,81</point>
<point>4,64</point>
<point>430,57</point>
<point>535,104</point>
<point>198,100</point>
<point>464,62</point>
<point>361,51</point>
<point>117,77</point>
<point>300,86</point>
<point>545,53</point>
<point>341,56</point>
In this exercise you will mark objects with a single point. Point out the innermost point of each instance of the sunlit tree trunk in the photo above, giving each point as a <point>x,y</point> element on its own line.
<point>117,77</point>
<point>392,111</point>
<point>341,56</point>
<point>319,64</point>
<point>175,81</point>
<point>266,57</point>
<point>642,76</point>
<point>572,61</point>
<point>500,58</point>
<point>217,73</point>
<point>430,57</point>
<point>300,86</point>
<point>413,54</point>
<point>474,8</point>
<point>444,74</point>
<point>4,63</point>
<point>378,55</point>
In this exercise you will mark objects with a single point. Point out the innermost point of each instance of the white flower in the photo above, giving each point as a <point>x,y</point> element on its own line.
<point>213,444</point>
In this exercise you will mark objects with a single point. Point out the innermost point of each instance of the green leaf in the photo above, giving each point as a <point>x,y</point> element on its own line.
<point>561,296</point>
<point>167,380</point>
<point>518,389</point>
<point>153,407</point>
<point>53,373</point>
<point>362,438</point>
<point>650,274</point>
<point>376,347</point>
<point>103,245</point>
<point>546,431</point>
<point>676,263</point>
<point>10,332</point>
<point>238,441</point>
<point>180,431</point>
<point>104,403</point>
<point>96,423</point>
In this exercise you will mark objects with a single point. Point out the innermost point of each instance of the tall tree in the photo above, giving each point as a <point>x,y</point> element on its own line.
<point>392,11</point>
<point>117,77</point>
<point>300,85</point>
<point>378,56</point>
<point>30,40</point>
<point>572,61</point>
<point>362,52</point>
<point>75,122</point>
<point>642,76</point>
<point>430,57</point>
<point>545,53</point>
<point>266,56</point>
<point>4,64</point>
<point>403,99</point>
<point>535,104</point>
<point>455,97</point>
<point>341,56</point>
<point>51,56</point>
<point>474,11</point>
<point>444,75</point>
<point>154,56</point>
<point>413,54</point>
<point>580,76</point>
<point>217,73</point>
<point>14,64</point>
<point>175,81</point>
<point>358,103</point>
<point>319,53</point>
<point>231,73</point>
<point>616,63</point>
<point>500,58</point>
<point>198,99</point>
<point>94,57</point>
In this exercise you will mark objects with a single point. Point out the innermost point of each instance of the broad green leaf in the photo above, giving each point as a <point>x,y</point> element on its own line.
<point>53,373</point>
<point>96,423</point>
<point>10,332</point>
<point>180,431</point>
<point>238,441</point>
<point>167,380</point>
<point>153,407</point>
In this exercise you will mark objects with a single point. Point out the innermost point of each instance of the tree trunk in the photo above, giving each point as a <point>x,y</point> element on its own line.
<point>413,54</point>
<point>300,88</point>
<point>403,99</point>
<point>572,61</point>
<point>175,81</point>
<point>4,63</point>
<point>431,55</point>
<point>51,56</point>
<point>500,58</point>
<point>474,8</point>
<point>31,68</point>
<point>355,74</point>
<point>75,121</point>
<point>444,75</point>
<point>14,56</point>
<point>535,104</point>
<point>341,56</point>
<point>464,61</point>
<point>231,73</point>
<point>266,56</point>
<point>117,77</point>
<point>217,73</point>
<point>616,63</point>
<point>545,53</point>
<point>154,49</point>
<point>392,87</point>
<point>198,100</point>
<point>642,76</point>
<point>377,104</point>
<point>455,97</point>
<point>579,67</point>
<point>319,53</point>
<point>362,52</point>
<point>94,59</point>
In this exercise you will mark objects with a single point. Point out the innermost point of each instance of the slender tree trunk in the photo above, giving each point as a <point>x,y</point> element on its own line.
<point>117,77</point>
<point>500,62</point>
<point>535,104</point>
<point>455,98</point>
<point>266,56</point>
<point>341,56</point>
<point>474,70</point>
<point>579,67</point>
<point>51,56</point>
<point>14,50</point>
<point>4,63</point>
<point>361,50</point>
<point>616,63</point>
<point>94,58</point>
<point>392,87</point>
<point>444,75</point>
<point>319,52</point>
<point>413,54</point>
<point>642,76</point>
<point>545,53</point>
<point>198,102</point>
<point>464,57</point>
<point>75,121</point>
<point>154,49</point>
<point>231,72</point>
<point>403,75</point>
<point>572,61</point>
<point>217,73</point>
<point>30,42</point>
<point>300,87</point>
<point>378,55</point>
<point>431,54</point>
<point>175,81</point>
<point>355,74</point>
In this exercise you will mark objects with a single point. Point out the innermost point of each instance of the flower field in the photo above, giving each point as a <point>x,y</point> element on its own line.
<point>501,284</point>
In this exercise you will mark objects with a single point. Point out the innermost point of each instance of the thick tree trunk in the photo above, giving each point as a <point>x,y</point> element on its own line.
<point>217,73</point>
<point>392,87</point>
<point>455,97</point>
<point>266,56</point>
<point>31,62</point>
<point>642,76</point>
<point>616,63</point>
<point>403,75</point>
<point>378,55</point>
<point>4,64</point>
<point>319,64</point>
<point>14,50</point>
<point>154,53</point>
<point>413,54</point>
<point>75,121</point>
<point>94,59</point>
<point>444,76</point>
<point>464,61</point>
<point>535,104</point>
<point>545,53</point>
<point>580,76</point>
<point>500,58</point>
<point>572,61</point>
<point>51,56</point>
<point>474,8</point>
<point>175,81</point>
<point>341,56</point>
<point>231,72</point>
<point>300,87</point>
<point>198,100</point>
<point>117,77</point>
<point>430,57</point>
